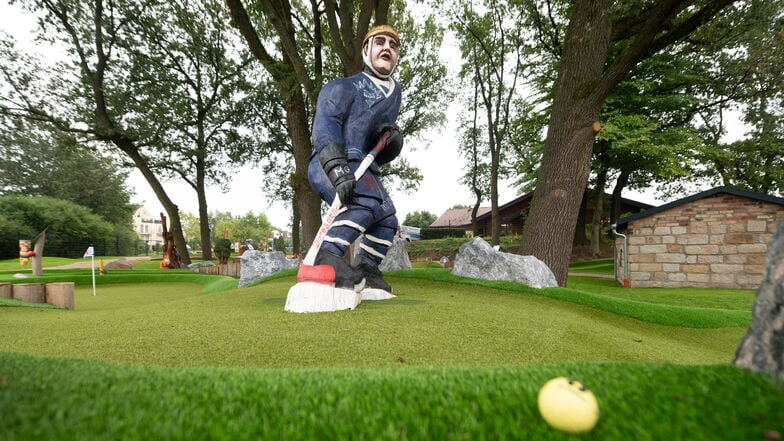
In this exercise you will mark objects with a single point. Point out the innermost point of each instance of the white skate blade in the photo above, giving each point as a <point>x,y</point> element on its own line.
<point>320,297</point>
<point>376,294</point>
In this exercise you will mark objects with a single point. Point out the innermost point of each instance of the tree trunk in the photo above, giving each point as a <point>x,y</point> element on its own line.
<point>475,212</point>
<point>173,212</point>
<point>565,166</point>
<point>582,219</point>
<point>204,226</point>
<point>620,184</point>
<point>296,240</point>
<point>38,248</point>
<point>598,208</point>
<point>308,203</point>
<point>493,141</point>
<point>495,219</point>
<point>201,192</point>
<point>291,83</point>
<point>762,349</point>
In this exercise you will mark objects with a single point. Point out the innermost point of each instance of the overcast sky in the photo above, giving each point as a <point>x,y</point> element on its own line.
<point>436,156</point>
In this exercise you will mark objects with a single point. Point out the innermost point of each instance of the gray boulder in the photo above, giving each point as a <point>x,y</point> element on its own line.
<point>396,258</point>
<point>762,349</point>
<point>478,260</point>
<point>255,265</point>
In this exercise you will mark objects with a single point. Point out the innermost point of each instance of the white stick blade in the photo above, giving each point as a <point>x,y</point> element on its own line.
<point>319,297</point>
<point>376,294</point>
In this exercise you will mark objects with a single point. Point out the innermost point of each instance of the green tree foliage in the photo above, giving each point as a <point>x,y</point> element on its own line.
<point>220,217</point>
<point>70,228</point>
<point>304,44</point>
<point>38,162</point>
<point>647,134</point>
<point>98,92</point>
<point>603,42</point>
<point>742,52</point>
<point>420,219</point>
<point>492,45</point>
<point>223,250</point>
<point>754,164</point>
<point>190,59</point>
<point>255,227</point>
<point>663,124</point>
<point>190,229</point>
<point>749,78</point>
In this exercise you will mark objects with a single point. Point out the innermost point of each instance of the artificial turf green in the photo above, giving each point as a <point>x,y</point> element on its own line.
<point>717,298</point>
<point>430,323</point>
<point>672,315</point>
<point>22,304</point>
<point>83,277</point>
<point>595,266</point>
<point>63,399</point>
<point>190,357</point>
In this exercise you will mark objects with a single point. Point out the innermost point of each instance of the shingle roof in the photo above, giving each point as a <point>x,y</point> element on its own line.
<point>457,217</point>
<point>707,193</point>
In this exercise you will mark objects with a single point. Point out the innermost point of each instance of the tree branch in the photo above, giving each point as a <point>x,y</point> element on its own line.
<point>242,20</point>
<point>646,42</point>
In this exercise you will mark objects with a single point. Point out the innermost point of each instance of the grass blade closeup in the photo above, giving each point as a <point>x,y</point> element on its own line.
<point>185,356</point>
<point>62,399</point>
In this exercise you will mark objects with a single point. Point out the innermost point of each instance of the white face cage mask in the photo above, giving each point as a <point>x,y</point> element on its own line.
<point>366,51</point>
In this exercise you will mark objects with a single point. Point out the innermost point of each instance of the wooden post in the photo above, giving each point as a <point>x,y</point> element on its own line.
<point>60,294</point>
<point>6,290</point>
<point>30,292</point>
<point>38,248</point>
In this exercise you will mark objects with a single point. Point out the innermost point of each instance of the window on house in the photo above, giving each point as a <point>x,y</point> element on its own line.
<point>506,229</point>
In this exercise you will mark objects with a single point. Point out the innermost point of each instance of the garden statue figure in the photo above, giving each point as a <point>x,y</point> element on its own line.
<point>352,114</point>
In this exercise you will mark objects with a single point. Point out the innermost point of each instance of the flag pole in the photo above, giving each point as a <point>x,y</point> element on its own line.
<point>92,264</point>
<point>91,254</point>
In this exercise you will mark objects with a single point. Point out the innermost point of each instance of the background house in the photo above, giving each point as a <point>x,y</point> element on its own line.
<point>513,215</point>
<point>718,238</point>
<point>459,218</point>
<point>148,228</point>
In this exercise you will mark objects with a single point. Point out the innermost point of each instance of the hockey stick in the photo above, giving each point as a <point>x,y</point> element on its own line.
<point>308,271</point>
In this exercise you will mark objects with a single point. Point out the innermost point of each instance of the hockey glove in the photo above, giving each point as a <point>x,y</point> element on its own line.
<point>394,142</point>
<point>333,159</point>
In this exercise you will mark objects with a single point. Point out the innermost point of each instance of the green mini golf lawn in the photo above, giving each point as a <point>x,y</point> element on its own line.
<point>447,359</point>
<point>430,323</point>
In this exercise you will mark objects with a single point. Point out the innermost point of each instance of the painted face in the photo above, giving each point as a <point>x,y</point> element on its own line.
<point>383,54</point>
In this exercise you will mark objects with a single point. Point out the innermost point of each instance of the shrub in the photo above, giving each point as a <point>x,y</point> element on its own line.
<point>70,228</point>
<point>440,233</point>
<point>223,249</point>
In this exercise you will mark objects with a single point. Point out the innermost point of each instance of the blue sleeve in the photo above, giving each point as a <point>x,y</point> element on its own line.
<point>332,109</point>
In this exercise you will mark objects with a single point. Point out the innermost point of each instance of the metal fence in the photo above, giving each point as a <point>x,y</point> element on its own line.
<point>59,245</point>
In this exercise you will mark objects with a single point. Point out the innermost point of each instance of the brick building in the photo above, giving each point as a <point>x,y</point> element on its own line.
<point>715,239</point>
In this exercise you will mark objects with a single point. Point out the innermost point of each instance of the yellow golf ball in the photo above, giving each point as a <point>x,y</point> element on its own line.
<point>567,405</point>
